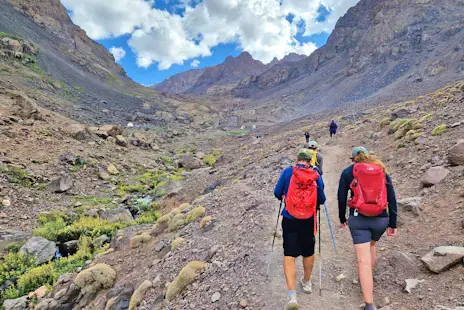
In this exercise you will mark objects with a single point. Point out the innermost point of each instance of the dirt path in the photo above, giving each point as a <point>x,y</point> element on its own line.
<point>335,295</point>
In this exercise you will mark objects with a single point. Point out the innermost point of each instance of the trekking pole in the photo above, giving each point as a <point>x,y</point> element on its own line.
<point>320,259</point>
<point>273,239</point>
<point>326,210</point>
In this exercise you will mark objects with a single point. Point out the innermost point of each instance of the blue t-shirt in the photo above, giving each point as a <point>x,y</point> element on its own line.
<point>282,185</point>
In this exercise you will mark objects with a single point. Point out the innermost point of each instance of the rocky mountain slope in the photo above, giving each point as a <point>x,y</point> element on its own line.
<point>378,51</point>
<point>187,223</point>
<point>220,79</point>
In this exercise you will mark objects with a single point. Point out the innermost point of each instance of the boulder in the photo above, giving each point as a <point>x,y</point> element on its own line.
<point>443,257</point>
<point>110,130</point>
<point>411,204</point>
<point>100,241</point>
<point>96,278</point>
<point>116,215</point>
<point>62,184</point>
<point>119,297</point>
<point>456,154</point>
<point>401,113</point>
<point>77,131</point>
<point>26,108</point>
<point>47,304</point>
<point>434,176</point>
<point>112,169</point>
<point>188,162</point>
<point>69,248</point>
<point>120,140</point>
<point>15,304</point>
<point>103,175</point>
<point>11,236</point>
<point>40,248</point>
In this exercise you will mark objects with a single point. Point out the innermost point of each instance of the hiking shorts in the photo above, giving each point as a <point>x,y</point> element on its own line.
<point>365,229</point>
<point>333,131</point>
<point>298,235</point>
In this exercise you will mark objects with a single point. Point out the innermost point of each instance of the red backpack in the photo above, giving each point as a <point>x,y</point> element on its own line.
<point>369,189</point>
<point>301,199</point>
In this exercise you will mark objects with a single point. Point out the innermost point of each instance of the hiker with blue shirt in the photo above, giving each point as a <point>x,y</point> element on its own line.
<point>301,188</point>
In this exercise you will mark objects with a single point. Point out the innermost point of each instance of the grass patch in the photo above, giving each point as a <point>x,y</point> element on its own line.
<point>17,176</point>
<point>93,200</point>
<point>210,160</point>
<point>9,35</point>
<point>5,70</point>
<point>439,130</point>
<point>237,133</point>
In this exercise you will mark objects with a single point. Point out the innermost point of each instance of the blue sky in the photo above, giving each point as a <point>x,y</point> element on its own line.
<point>159,38</point>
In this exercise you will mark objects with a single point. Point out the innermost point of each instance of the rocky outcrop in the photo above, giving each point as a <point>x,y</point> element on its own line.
<point>179,83</point>
<point>231,71</point>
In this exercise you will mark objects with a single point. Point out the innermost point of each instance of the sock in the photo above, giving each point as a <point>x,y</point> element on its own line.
<point>369,307</point>
<point>291,292</point>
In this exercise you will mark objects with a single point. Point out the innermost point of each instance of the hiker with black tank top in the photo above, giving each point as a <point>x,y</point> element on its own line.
<point>373,211</point>
<point>306,134</point>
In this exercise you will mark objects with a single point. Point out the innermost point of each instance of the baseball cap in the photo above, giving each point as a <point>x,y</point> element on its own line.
<point>359,149</point>
<point>304,155</point>
<point>313,145</point>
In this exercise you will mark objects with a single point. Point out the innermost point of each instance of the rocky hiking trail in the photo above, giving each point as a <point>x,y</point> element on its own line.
<point>343,294</point>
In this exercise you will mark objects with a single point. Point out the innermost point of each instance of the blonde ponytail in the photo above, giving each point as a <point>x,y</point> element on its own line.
<point>369,159</point>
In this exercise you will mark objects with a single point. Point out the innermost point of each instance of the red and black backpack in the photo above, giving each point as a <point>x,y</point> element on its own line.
<point>369,188</point>
<point>301,199</point>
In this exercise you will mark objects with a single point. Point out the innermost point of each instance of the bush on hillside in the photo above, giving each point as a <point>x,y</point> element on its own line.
<point>439,130</point>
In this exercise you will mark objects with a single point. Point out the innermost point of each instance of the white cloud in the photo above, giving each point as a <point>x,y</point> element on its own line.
<point>260,27</point>
<point>195,63</point>
<point>118,53</point>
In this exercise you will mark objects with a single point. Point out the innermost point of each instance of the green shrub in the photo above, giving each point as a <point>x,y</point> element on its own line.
<point>426,117</point>
<point>194,214</point>
<point>14,265</point>
<point>4,70</point>
<point>52,216</point>
<point>210,160</point>
<point>386,121</point>
<point>439,130</point>
<point>8,35</point>
<point>51,229</point>
<point>35,278</point>
<point>17,176</point>
<point>148,217</point>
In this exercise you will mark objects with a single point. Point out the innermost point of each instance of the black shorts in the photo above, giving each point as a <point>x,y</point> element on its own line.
<point>299,239</point>
<point>365,229</point>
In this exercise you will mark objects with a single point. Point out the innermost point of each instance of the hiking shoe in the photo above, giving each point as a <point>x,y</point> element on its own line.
<point>292,303</point>
<point>307,286</point>
<point>370,307</point>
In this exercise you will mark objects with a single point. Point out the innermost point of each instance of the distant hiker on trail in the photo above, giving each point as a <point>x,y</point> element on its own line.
<point>307,136</point>
<point>302,190</point>
<point>371,193</point>
<point>317,159</point>
<point>333,128</point>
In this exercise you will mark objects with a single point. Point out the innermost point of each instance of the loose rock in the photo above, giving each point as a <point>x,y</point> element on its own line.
<point>412,283</point>
<point>434,176</point>
<point>62,184</point>
<point>442,258</point>
<point>456,154</point>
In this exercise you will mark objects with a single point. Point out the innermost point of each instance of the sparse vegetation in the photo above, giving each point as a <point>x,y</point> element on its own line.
<point>186,277</point>
<point>8,35</point>
<point>439,130</point>
<point>17,175</point>
<point>238,133</point>
<point>210,160</point>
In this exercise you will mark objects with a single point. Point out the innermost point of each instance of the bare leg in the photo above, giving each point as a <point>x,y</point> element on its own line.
<point>363,253</point>
<point>290,272</point>
<point>308,263</point>
<point>373,254</point>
